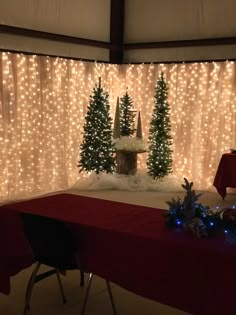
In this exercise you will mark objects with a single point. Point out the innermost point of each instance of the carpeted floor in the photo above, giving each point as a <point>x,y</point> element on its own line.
<point>46,299</point>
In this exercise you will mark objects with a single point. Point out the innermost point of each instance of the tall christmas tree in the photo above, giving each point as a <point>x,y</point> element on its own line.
<point>127,116</point>
<point>159,160</point>
<point>96,148</point>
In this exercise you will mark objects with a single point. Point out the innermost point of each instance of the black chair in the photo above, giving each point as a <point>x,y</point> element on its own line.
<point>53,244</point>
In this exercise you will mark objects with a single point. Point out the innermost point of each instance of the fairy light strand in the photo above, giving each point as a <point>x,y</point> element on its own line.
<point>44,101</point>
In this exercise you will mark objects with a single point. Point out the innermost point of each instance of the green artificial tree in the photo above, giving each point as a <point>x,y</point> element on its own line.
<point>159,160</point>
<point>127,116</point>
<point>97,148</point>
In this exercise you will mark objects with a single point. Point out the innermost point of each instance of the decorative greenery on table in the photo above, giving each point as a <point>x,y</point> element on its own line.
<point>198,219</point>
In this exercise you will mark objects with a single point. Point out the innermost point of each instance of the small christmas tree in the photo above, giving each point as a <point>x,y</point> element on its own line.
<point>96,148</point>
<point>159,161</point>
<point>127,116</point>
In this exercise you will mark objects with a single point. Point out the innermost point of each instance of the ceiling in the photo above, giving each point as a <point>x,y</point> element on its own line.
<point>137,31</point>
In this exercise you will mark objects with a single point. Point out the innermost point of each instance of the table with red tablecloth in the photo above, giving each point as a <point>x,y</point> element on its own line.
<point>131,246</point>
<point>226,174</point>
<point>15,253</point>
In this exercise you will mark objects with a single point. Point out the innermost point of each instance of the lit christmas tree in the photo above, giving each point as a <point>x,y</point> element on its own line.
<point>96,148</point>
<point>127,116</point>
<point>159,161</point>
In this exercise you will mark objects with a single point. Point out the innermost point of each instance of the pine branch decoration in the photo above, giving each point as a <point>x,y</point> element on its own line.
<point>190,214</point>
<point>190,199</point>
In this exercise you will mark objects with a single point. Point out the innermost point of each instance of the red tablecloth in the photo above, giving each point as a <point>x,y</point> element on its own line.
<point>226,174</point>
<point>131,246</point>
<point>15,253</point>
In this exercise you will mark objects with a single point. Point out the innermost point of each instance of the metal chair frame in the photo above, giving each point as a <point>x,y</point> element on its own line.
<point>35,277</point>
<point>90,278</point>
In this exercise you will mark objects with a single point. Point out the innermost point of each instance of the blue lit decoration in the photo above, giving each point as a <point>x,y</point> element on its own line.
<point>198,219</point>
<point>228,217</point>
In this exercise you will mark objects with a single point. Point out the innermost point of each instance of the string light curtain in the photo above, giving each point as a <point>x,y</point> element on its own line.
<point>202,97</point>
<point>43,102</point>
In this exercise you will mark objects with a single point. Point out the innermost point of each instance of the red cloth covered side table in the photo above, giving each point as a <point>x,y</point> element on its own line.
<point>226,174</point>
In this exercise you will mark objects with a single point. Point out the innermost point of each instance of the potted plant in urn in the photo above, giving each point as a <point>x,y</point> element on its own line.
<point>127,140</point>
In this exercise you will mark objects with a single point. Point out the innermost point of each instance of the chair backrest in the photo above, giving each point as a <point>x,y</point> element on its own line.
<point>51,240</point>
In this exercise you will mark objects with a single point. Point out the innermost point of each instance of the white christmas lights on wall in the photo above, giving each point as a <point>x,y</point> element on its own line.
<point>43,102</point>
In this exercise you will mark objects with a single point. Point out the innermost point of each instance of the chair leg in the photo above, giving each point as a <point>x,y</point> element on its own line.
<point>111,297</point>
<point>30,288</point>
<point>60,286</point>
<point>87,293</point>
<point>77,259</point>
<point>81,278</point>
